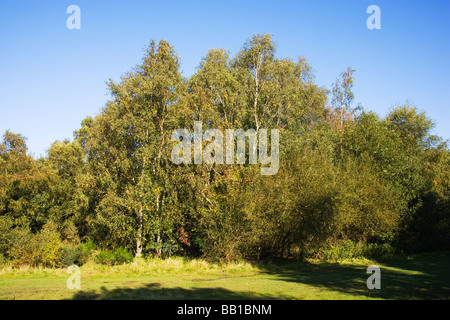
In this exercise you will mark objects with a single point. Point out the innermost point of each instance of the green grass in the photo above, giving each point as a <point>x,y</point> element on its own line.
<point>425,276</point>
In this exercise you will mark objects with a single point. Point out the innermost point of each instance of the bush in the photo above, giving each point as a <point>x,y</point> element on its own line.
<point>3,261</point>
<point>6,226</point>
<point>346,249</point>
<point>47,243</point>
<point>122,255</point>
<point>42,248</point>
<point>21,252</point>
<point>119,256</point>
<point>340,250</point>
<point>88,246</point>
<point>70,254</point>
<point>379,250</point>
<point>104,257</point>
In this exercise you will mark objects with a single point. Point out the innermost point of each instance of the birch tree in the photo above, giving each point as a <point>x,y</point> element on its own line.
<point>127,149</point>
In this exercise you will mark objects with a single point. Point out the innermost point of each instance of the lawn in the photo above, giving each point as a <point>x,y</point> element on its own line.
<point>424,276</point>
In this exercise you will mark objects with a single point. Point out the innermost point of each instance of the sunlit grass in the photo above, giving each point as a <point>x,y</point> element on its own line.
<point>417,277</point>
<point>174,265</point>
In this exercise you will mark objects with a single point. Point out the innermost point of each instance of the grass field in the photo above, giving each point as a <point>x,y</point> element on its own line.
<point>425,276</point>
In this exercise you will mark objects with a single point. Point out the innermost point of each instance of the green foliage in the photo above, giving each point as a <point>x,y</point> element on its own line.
<point>47,243</point>
<point>6,240</point>
<point>41,249</point>
<point>104,257</point>
<point>73,254</point>
<point>21,252</point>
<point>380,251</point>
<point>116,257</point>
<point>3,261</point>
<point>342,250</point>
<point>25,184</point>
<point>122,255</point>
<point>349,184</point>
<point>88,246</point>
<point>350,250</point>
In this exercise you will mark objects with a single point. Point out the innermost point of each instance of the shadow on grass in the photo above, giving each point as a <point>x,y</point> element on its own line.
<point>424,277</point>
<point>154,291</point>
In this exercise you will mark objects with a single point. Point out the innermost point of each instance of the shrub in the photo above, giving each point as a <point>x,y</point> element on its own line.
<point>88,246</point>
<point>379,250</point>
<point>104,257</point>
<point>122,255</point>
<point>3,261</point>
<point>119,256</point>
<point>5,235</point>
<point>71,254</point>
<point>21,251</point>
<point>346,249</point>
<point>42,248</point>
<point>47,244</point>
<point>340,250</point>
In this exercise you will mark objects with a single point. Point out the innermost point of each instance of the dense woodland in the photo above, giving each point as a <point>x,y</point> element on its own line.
<point>350,183</point>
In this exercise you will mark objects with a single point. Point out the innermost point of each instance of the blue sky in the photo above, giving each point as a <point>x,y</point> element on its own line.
<point>51,77</point>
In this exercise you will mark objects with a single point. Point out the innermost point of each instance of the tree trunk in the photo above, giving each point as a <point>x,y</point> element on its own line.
<point>255,101</point>
<point>139,237</point>
<point>158,241</point>
<point>158,235</point>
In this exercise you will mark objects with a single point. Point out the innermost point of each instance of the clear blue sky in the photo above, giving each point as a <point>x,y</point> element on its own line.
<point>52,77</point>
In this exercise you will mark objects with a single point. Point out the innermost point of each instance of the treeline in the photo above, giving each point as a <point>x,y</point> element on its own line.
<point>349,182</point>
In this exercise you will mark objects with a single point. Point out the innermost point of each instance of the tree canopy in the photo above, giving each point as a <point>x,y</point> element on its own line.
<point>346,175</point>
